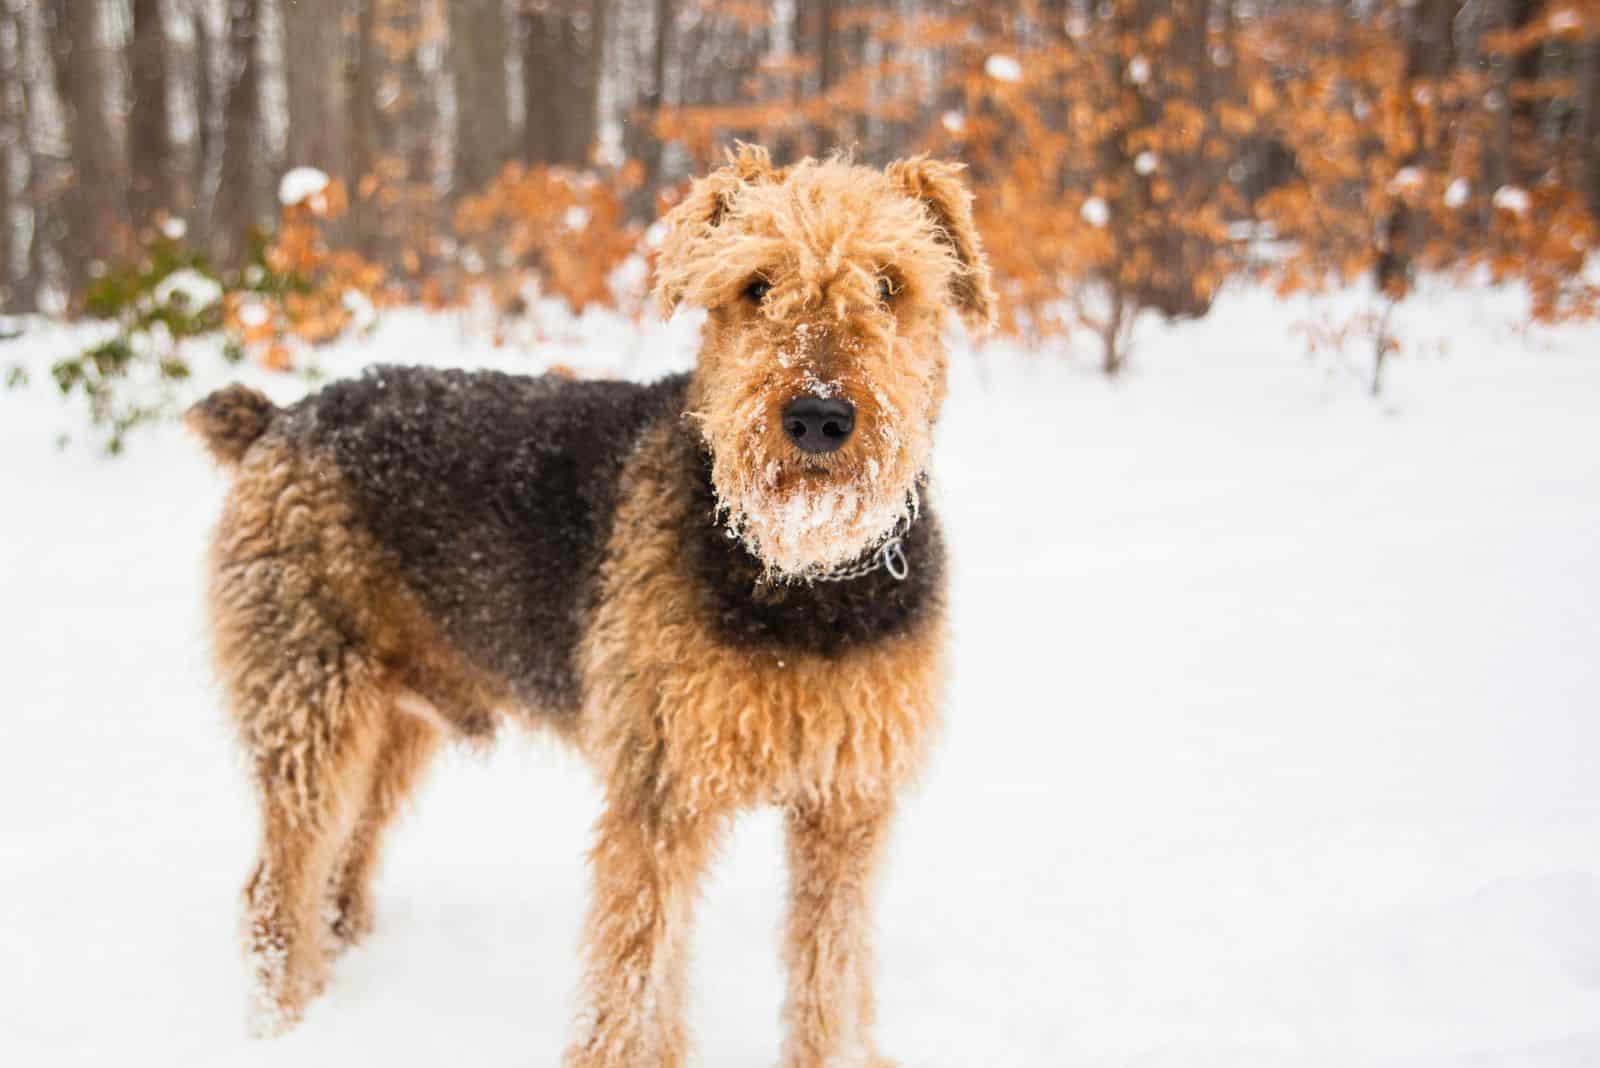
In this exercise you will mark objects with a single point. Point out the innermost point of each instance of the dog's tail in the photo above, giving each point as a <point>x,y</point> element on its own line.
<point>230,420</point>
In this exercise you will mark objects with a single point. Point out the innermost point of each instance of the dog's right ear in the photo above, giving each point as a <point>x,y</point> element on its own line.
<point>697,217</point>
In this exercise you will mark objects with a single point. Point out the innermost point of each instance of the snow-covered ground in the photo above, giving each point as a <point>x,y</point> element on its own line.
<point>1274,738</point>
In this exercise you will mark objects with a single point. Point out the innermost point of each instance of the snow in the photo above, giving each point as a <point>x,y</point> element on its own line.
<point>197,291</point>
<point>254,314</point>
<point>1270,741</point>
<point>1565,20</point>
<point>1138,70</point>
<point>363,316</point>
<point>953,121</point>
<point>1406,180</point>
<point>1003,68</point>
<point>575,218</point>
<point>1458,192</point>
<point>174,229</point>
<point>1146,162</point>
<point>300,185</point>
<point>1095,212</point>
<point>1511,198</point>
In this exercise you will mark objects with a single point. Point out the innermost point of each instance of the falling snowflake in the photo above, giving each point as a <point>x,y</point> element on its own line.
<point>1146,162</point>
<point>953,121</point>
<point>174,229</point>
<point>576,218</point>
<point>1138,70</point>
<point>1457,194</point>
<point>1095,212</point>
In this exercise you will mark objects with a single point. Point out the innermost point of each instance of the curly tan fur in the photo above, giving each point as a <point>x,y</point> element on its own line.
<point>715,730</point>
<point>830,238</point>
<point>339,644</point>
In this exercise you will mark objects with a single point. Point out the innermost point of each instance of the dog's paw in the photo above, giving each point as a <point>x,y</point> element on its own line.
<point>349,920</point>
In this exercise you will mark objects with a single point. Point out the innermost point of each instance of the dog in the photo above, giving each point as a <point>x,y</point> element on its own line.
<point>726,588</point>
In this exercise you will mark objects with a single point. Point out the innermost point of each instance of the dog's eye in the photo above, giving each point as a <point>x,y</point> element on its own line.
<point>886,289</point>
<point>757,290</point>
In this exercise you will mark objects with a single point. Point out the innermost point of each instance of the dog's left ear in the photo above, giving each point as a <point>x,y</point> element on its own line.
<point>697,217</point>
<point>938,187</point>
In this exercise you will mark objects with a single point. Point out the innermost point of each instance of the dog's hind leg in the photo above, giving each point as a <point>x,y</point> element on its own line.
<point>315,757</point>
<point>407,748</point>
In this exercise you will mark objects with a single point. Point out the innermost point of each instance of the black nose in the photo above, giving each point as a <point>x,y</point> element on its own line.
<point>819,424</point>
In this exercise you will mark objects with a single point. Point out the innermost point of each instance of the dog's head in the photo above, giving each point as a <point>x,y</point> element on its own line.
<point>822,368</point>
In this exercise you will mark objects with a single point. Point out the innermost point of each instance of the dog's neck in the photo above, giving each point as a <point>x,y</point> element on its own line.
<point>884,592</point>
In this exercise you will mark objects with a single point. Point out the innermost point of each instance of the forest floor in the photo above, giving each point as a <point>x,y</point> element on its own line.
<point>1274,735</point>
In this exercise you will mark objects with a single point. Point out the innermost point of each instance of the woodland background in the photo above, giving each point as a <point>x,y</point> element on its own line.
<point>1128,155</point>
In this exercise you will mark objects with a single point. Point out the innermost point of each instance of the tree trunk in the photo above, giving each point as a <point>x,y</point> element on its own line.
<point>599,11</point>
<point>1430,54</point>
<point>205,103</point>
<point>411,136</point>
<point>478,62</point>
<point>154,181</point>
<point>561,83</point>
<point>650,106</point>
<point>93,208</point>
<point>239,192</point>
<point>11,139</point>
<point>365,223</point>
<point>826,72</point>
<point>315,77</point>
<point>31,61</point>
<point>1588,162</point>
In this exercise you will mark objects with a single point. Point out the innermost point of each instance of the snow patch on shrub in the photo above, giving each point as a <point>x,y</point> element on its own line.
<point>300,185</point>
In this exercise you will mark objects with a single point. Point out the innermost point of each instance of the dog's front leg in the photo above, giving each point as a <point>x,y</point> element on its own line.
<point>646,866</point>
<point>834,850</point>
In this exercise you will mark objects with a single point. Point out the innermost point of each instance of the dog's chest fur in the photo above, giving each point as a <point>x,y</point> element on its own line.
<point>559,533</point>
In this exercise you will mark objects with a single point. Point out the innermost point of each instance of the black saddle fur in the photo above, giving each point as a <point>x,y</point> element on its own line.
<point>497,493</point>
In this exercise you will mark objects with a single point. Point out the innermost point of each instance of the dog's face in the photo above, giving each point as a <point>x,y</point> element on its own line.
<point>822,368</point>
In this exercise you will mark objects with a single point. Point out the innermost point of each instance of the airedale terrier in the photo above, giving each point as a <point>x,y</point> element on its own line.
<point>725,588</point>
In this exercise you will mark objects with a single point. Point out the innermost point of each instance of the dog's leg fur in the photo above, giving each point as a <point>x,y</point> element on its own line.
<point>407,749</point>
<point>310,701</point>
<point>308,807</point>
<point>647,865</point>
<point>833,852</point>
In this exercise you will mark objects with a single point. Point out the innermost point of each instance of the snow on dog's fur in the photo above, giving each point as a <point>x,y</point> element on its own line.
<point>416,555</point>
<point>857,284</point>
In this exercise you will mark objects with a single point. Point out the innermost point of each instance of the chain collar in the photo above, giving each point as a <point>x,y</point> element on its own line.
<point>890,554</point>
<point>890,557</point>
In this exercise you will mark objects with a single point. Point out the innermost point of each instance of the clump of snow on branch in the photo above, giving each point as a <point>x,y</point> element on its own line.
<point>300,185</point>
<point>253,314</point>
<point>1513,199</point>
<point>196,290</point>
<point>1406,180</point>
<point>1003,68</point>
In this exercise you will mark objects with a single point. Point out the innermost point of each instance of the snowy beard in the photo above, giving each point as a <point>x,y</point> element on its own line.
<point>802,519</point>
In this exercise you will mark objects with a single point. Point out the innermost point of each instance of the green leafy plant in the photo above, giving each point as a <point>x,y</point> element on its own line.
<point>159,300</point>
